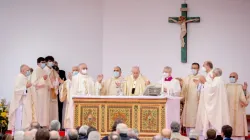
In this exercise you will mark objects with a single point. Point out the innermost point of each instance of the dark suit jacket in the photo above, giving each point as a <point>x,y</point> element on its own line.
<point>62,75</point>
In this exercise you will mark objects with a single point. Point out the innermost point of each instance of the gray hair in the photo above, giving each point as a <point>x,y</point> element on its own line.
<point>122,128</point>
<point>157,137</point>
<point>94,135</point>
<point>55,125</point>
<point>114,136</point>
<point>175,126</point>
<point>73,134</point>
<point>193,134</point>
<point>133,132</point>
<point>22,67</point>
<point>217,72</point>
<point>19,135</point>
<point>83,130</point>
<point>54,135</point>
<point>168,68</point>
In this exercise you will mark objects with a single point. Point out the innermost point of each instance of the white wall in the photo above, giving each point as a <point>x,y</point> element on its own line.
<point>70,31</point>
<point>137,32</point>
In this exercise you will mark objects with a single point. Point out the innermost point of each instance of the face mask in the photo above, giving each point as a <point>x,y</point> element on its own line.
<point>116,74</point>
<point>75,73</point>
<point>194,71</point>
<point>43,65</point>
<point>50,64</point>
<point>203,69</point>
<point>165,74</point>
<point>84,71</point>
<point>27,73</point>
<point>232,80</point>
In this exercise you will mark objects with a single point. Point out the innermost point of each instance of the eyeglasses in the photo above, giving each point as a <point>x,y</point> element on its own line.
<point>116,71</point>
<point>231,76</point>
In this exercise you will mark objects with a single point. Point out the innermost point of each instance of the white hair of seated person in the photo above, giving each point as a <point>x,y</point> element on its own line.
<point>83,130</point>
<point>133,132</point>
<point>55,125</point>
<point>94,135</point>
<point>33,131</point>
<point>27,135</point>
<point>18,135</point>
<point>157,137</point>
<point>122,128</point>
<point>194,134</point>
<point>54,135</point>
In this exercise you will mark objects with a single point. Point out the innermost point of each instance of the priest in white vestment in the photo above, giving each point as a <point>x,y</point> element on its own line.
<point>190,96</point>
<point>238,102</point>
<point>170,84</point>
<point>82,84</point>
<point>114,85</point>
<point>213,109</point>
<point>40,93</point>
<point>66,98</point>
<point>53,84</point>
<point>20,112</point>
<point>136,83</point>
<point>208,69</point>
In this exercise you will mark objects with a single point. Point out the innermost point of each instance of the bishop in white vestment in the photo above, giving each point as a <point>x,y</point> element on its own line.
<point>20,112</point>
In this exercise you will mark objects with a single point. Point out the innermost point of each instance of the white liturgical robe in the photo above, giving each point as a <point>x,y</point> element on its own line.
<point>20,112</point>
<point>172,86</point>
<point>213,101</point>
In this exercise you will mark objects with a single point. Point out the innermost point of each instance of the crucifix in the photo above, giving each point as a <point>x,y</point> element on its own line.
<point>183,20</point>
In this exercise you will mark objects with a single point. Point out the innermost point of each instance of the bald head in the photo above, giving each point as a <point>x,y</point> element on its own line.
<point>24,68</point>
<point>234,75</point>
<point>166,133</point>
<point>122,128</point>
<point>135,71</point>
<point>74,68</point>
<point>117,71</point>
<point>83,68</point>
<point>54,135</point>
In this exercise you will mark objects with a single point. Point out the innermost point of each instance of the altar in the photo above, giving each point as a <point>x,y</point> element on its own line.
<point>148,114</point>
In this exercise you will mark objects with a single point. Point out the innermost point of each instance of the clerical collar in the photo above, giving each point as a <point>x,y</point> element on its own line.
<point>169,78</point>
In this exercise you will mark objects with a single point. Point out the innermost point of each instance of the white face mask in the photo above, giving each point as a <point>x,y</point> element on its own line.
<point>84,71</point>
<point>165,74</point>
<point>194,71</point>
<point>203,69</point>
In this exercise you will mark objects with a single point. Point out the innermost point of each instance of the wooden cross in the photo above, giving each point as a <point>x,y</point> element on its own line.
<point>183,20</point>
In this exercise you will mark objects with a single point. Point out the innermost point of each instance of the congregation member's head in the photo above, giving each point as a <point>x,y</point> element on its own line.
<point>94,135</point>
<point>34,125</point>
<point>83,131</point>
<point>175,127</point>
<point>42,134</point>
<point>193,135</point>
<point>233,77</point>
<point>54,135</point>
<point>117,72</point>
<point>226,131</point>
<point>41,62</point>
<point>157,137</point>
<point>195,68</point>
<point>167,72</point>
<point>18,135</point>
<point>83,69</point>
<point>217,72</point>
<point>49,61</point>
<point>28,135</point>
<point>118,121</point>
<point>122,128</point>
<point>211,134</point>
<point>31,70</point>
<point>55,125</point>
<point>207,66</point>
<point>133,133</point>
<point>114,136</point>
<point>135,72</point>
<point>73,134</point>
<point>90,129</point>
<point>166,134</point>
<point>25,70</point>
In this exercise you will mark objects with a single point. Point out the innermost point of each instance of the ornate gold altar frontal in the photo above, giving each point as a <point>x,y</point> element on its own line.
<point>146,115</point>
